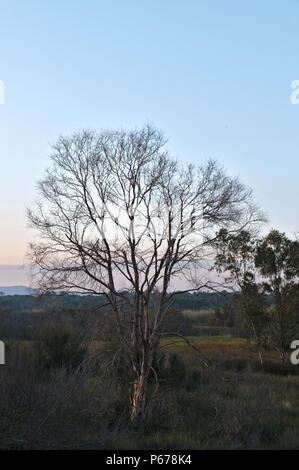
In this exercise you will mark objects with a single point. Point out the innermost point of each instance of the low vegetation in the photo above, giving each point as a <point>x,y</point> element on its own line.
<point>65,390</point>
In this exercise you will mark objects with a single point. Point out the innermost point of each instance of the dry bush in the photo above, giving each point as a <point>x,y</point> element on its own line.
<point>56,408</point>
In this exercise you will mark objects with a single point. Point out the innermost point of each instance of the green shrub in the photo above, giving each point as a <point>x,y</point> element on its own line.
<point>272,428</point>
<point>279,368</point>
<point>56,347</point>
<point>174,369</point>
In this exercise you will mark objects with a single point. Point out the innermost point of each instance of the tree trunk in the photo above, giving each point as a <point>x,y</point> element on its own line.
<point>258,344</point>
<point>260,355</point>
<point>138,399</point>
<point>282,344</point>
<point>141,369</point>
<point>282,354</point>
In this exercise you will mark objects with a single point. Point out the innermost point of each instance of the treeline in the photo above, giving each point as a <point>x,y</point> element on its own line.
<point>80,316</point>
<point>49,302</point>
<point>188,301</point>
<point>23,317</point>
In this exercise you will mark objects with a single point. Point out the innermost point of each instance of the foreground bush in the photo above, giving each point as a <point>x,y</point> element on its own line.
<point>57,346</point>
<point>57,408</point>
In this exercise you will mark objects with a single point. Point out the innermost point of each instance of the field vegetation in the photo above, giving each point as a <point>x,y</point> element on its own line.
<point>66,387</point>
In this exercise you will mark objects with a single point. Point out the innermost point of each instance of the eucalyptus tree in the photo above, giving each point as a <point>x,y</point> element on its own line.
<point>277,260</point>
<point>117,216</point>
<point>235,256</point>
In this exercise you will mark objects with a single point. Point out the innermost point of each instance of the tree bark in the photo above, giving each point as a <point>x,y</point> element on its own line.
<point>258,343</point>
<point>138,399</point>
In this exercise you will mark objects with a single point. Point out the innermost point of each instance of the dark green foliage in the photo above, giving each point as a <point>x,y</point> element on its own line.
<point>50,302</point>
<point>176,322</point>
<point>223,316</point>
<point>277,257</point>
<point>115,361</point>
<point>277,368</point>
<point>58,408</point>
<point>200,300</point>
<point>53,302</point>
<point>277,260</point>
<point>56,347</point>
<point>26,324</point>
<point>174,369</point>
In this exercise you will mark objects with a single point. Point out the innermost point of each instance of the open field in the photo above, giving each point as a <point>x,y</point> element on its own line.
<point>233,404</point>
<point>210,345</point>
<point>225,346</point>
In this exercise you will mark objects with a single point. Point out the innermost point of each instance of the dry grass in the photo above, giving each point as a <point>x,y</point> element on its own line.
<point>193,314</point>
<point>227,406</point>
<point>211,345</point>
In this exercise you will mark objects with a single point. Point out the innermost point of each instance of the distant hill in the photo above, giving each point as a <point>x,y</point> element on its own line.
<point>16,290</point>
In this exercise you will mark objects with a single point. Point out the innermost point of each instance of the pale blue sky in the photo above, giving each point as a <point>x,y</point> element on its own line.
<point>214,75</point>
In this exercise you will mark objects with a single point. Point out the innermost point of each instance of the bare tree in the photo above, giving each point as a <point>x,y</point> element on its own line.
<point>118,217</point>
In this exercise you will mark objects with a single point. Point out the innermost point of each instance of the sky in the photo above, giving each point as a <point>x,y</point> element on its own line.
<point>215,76</point>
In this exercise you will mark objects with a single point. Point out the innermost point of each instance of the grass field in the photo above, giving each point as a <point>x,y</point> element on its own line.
<point>233,404</point>
<point>225,345</point>
<point>211,345</point>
